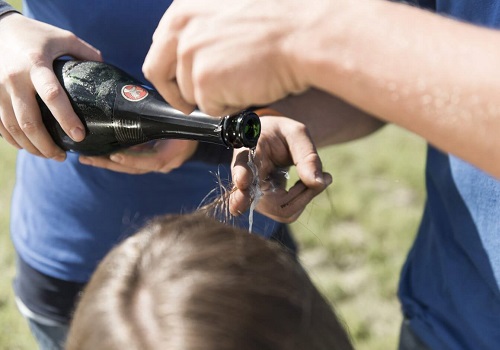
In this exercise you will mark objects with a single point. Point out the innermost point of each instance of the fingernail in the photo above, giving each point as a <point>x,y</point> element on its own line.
<point>77,134</point>
<point>324,178</point>
<point>328,179</point>
<point>116,158</point>
<point>318,177</point>
<point>60,157</point>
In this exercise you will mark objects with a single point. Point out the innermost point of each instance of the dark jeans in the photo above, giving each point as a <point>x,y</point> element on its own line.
<point>409,340</point>
<point>48,337</point>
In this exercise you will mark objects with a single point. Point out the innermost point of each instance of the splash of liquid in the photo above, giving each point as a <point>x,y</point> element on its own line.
<point>219,207</point>
<point>255,190</point>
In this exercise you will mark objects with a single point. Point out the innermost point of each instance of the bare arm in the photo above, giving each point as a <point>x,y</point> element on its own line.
<point>431,75</point>
<point>329,119</point>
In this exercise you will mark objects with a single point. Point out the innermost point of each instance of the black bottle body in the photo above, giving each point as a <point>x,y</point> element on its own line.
<point>118,112</point>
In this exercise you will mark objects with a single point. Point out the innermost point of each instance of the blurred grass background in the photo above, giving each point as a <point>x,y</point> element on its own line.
<point>14,331</point>
<point>353,238</point>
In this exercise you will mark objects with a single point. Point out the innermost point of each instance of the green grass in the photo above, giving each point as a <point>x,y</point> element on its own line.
<point>354,237</point>
<point>14,333</point>
<point>16,3</point>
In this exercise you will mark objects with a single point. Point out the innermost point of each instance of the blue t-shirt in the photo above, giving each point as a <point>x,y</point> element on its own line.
<point>66,216</point>
<point>450,283</point>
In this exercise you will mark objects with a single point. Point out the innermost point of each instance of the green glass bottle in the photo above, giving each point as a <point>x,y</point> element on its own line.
<point>118,112</point>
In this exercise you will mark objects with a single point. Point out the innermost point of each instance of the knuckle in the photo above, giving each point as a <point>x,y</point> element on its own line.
<point>13,129</point>
<point>50,92</point>
<point>184,55</point>
<point>301,128</point>
<point>178,21</point>
<point>314,160</point>
<point>36,59</point>
<point>147,71</point>
<point>29,126</point>
<point>10,76</point>
<point>66,34</point>
<point>313,157</point>
<point>202,78</point>
<point>185,49</point>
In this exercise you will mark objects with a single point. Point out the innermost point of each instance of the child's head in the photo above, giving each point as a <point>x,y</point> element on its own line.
<point>189,282</point>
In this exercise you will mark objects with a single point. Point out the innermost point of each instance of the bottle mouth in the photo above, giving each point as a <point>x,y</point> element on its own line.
<point>243,129</point>
<point>251,129</point>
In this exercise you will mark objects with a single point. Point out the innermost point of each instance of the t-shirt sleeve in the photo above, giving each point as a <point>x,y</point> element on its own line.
<point>6,8</point>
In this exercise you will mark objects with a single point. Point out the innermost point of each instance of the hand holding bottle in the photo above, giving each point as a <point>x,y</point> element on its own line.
<point>28,49</point>
<point>191,41</point>
<point>159,156</point>
<point>283,143</point>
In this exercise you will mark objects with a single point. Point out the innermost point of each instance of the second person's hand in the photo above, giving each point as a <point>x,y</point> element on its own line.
<point>283,143</point>
<point>160,156</point>
<point>192,39</point>
<point>28,49</point>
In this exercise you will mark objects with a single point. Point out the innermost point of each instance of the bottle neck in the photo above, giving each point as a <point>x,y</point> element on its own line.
<point>142,114</point>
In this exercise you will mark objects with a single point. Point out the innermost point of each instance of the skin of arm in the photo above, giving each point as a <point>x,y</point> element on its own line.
<point>432,75</point>
<point>334,122</point>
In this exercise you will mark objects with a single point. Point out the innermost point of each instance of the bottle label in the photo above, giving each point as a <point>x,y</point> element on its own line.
<point>134,93</point>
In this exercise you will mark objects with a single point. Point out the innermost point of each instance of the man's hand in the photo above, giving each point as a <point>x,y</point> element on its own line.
<point>192,40</point>
<point>283,143</point>
<point>28,49</point>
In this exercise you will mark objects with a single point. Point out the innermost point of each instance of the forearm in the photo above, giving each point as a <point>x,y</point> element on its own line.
<point>434,76</point>
<point>329,119</point>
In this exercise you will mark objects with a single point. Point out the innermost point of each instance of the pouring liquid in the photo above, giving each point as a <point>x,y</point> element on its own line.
<point>255,190</point>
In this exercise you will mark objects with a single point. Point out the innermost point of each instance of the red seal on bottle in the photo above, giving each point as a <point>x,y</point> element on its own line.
<point>134,93</point>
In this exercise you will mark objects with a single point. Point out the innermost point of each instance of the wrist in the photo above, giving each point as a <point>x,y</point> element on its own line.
<point>305,47</point>
<point>324,48</point>
<point>5,16</point>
